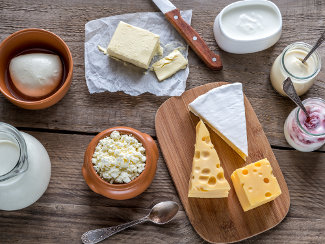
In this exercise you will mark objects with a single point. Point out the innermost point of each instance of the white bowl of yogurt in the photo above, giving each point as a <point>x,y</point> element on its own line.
<point>248,26</point>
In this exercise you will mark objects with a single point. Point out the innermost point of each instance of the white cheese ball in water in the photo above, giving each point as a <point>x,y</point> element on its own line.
<point>36,74</point>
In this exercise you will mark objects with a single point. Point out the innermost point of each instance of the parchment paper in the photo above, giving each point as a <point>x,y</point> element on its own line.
<point>107,74</point>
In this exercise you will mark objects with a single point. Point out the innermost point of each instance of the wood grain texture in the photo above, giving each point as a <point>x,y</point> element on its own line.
<point>69,207</point>
<point>217,220</point>
<point>194,40</point>
<point>80,111</point>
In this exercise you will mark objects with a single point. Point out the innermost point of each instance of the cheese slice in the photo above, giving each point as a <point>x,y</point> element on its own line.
<point>134,45</point>
<point>255,184</point>
<point>223,109</point>
<point>207,179</point>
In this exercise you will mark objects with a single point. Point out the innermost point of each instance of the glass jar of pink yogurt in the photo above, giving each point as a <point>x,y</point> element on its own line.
<point>306,134</point>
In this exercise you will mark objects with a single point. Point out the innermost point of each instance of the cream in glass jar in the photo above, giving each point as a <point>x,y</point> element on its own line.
<point>288,64</point>
<point>25,169</point>
<point>306,134</point>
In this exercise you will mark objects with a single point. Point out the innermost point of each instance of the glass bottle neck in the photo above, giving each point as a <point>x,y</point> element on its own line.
<point>13,151</point>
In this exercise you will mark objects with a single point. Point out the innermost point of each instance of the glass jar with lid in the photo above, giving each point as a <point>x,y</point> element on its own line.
<point>289,64</point>
<point>25,168</point>
<point>306,134</point>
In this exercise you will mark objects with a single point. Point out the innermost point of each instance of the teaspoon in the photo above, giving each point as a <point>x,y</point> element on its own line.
<point>318,43</point>
<point>290,90</point>
<point>161,213</point>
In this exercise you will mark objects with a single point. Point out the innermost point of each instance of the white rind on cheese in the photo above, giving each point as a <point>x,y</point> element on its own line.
<point>134,45</point>
<point>169,65</point>
<point>223,109</point>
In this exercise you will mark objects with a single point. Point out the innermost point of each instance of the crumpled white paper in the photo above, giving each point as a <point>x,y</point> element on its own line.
<point>107,74</point>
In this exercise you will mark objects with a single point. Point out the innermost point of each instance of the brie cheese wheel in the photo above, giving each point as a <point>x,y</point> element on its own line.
<point>223,109</point>
<point>207,178</point>
<point>36,74</point>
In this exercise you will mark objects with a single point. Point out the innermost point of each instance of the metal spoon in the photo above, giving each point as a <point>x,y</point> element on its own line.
<point>318,43</point>
<point>161,213</point>
<point>290,90</point>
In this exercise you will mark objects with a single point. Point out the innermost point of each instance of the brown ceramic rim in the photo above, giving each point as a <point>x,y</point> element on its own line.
<point>65,84</point>
<point>121,191</point>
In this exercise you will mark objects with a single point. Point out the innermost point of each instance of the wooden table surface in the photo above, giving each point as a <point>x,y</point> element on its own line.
<point>69,207</point>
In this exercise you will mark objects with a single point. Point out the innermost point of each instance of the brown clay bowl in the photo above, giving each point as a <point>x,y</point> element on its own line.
<point>34,39</point>
<point>121,191</point>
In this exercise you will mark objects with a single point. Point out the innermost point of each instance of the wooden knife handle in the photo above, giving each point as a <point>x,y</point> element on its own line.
<point>193,39</point>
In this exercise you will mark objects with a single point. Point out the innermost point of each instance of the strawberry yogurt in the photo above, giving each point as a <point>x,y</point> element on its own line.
<point>306,134</point>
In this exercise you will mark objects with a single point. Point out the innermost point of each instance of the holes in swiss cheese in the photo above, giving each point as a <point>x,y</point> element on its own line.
<point>212,180</point>
<point>245,171</point>
<point>206,139</point>
<point>220,176</point>
<point>258,164</point>
<point>203,178</point>
<point>266,180</point>
<point>205,154</point>
<point>197,154</point>
<point>268,194</point>
<point>205,171</point>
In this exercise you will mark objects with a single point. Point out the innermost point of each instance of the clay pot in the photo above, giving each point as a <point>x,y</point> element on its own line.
<point>121,191</point>
<point>30,39</point>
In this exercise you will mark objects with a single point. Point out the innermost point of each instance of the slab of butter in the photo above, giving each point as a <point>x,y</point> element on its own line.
<point>255,184</point>
<point>207,178</point>
<point>134,45</point>
<point>169,65</point>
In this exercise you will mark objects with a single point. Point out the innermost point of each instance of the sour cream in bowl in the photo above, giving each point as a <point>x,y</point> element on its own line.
<point>248,26</point>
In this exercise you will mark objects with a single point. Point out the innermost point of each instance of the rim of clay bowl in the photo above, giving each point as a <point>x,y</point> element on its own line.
<point>67,82</point>
<point>124,190</point>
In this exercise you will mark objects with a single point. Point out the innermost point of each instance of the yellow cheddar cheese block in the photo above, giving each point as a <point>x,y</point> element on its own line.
<point>207,179</point>
<point>255,184</point>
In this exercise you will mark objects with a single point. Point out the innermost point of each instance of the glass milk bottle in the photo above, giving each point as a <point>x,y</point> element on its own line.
<point>25,168</point>
<point>288,64</point>
<point>306,134</point>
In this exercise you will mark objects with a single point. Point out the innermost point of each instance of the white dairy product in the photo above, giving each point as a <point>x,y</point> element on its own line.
<point>9,155</point>
<point>306,134</point>
<point>119,158</point>
<point>288,64</point>
<point>26,187</point>
<point>223,109</point>
<point>250,22</point>
<point>36,74</point>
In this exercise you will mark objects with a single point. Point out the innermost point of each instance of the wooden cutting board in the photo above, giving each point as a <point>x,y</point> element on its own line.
<point>217,220</point>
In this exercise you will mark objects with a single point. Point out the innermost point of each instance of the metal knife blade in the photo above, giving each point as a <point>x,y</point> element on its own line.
<point>196,42</point>
<point>164,5</point>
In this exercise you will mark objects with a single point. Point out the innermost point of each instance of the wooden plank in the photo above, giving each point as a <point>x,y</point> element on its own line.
<point>69,207</point>
<point>79,111</point>
<point>175,127</point>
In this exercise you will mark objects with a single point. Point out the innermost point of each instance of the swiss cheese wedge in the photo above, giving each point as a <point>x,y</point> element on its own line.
<point>223,110</point>
<point>207,178</point>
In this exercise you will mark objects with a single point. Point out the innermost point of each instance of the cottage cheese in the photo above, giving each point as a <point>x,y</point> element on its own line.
<point>119,158</point>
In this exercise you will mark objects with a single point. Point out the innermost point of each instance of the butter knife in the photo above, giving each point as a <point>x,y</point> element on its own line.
<point>193,39</point>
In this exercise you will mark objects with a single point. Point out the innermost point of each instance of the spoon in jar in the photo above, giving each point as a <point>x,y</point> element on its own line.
<point>161,213</point>
<point>318,43</point>
<point>290,90</point>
